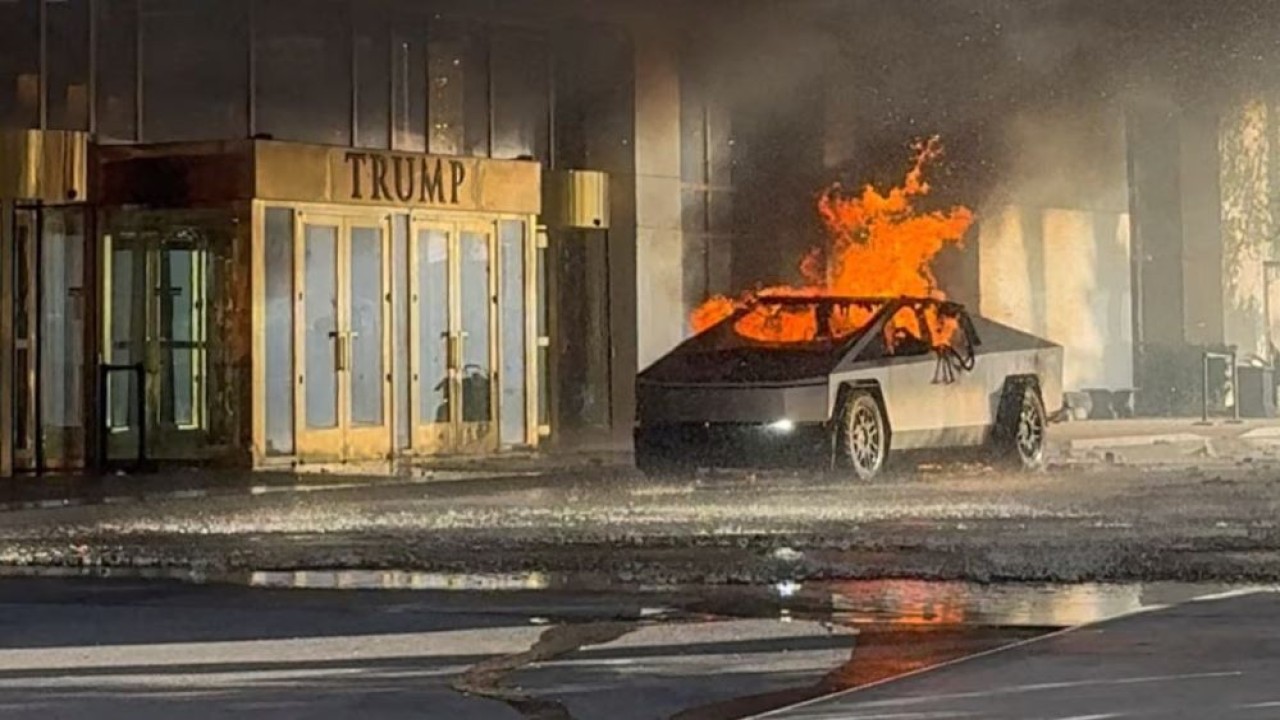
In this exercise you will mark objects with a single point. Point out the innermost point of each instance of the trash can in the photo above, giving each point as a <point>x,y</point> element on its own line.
<point>1257,391</point>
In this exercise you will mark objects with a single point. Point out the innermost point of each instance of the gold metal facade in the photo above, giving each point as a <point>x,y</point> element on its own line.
<point>178,283</point>
<point>412,305</point>
<point>317,174</point>
<point>49,166</point>
<point>37,169</point>
<point>578,199</point>
<point>405,284</point>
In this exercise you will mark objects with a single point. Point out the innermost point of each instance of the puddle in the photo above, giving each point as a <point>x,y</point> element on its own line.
<point>399,580</point>
<point>902,626</point>
<point>367,580</point>
<point>923,603</point>
<point>902,603</point>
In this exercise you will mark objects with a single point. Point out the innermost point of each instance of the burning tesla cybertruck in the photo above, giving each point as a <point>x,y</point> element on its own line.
<point>844,383</point>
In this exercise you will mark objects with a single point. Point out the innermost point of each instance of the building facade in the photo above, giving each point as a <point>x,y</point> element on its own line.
<point>264,232</point>
<point>274,231</point>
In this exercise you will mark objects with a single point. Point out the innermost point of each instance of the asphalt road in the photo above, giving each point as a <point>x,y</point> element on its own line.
<point>1100,522</point>
<point>135,649</point>
<point>1208,659</point>
<point>154,649</point>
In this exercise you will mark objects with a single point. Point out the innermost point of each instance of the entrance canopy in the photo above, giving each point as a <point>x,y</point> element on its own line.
<point>187,174</point>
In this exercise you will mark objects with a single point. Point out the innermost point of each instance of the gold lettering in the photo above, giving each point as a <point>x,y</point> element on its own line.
<point>458,173</point>
<point>356,161</point>
<point>380,191</point>
<point>404,178</point>
<point>432,188</point>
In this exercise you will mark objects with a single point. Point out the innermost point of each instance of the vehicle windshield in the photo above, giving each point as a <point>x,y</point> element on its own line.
<point>775,339</point>
<point>801,321</point>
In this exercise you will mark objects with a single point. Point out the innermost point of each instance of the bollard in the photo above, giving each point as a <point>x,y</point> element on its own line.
<point>1204,390</point>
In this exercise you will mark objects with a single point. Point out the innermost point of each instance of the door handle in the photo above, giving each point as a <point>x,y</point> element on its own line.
<point>451,353</point>
<point>339,350</point>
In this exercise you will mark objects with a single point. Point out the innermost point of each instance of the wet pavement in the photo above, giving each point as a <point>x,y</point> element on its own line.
<point>133,647</point>
<point>1211,658</point>
<point>1103,522</point>
<point>587,591</point>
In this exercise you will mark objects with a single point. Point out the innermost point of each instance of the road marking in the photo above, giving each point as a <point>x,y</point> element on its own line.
<point>777,712</point>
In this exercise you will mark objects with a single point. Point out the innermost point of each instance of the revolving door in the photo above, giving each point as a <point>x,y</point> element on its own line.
<point>47,318</point>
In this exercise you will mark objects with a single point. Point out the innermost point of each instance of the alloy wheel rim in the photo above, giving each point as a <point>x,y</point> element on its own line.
<point>1030,430</point>
<point>866,438</point>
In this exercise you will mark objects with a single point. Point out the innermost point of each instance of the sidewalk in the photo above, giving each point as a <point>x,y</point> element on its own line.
<point>1150,441</point>
<point>1214,658</point>
<point>1164,440</point>
<point>178,482</point>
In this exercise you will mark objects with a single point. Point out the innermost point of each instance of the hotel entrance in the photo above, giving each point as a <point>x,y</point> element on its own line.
<point>164,284</point>
<point>292,304</point>
<point>395,308</point>
<point>453,339</point>
<point>344,303</point>
<point>388,334</point>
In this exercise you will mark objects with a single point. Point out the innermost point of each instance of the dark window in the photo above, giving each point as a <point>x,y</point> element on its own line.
<point>706,159</point>
<point>303,82</point>
<point>693,130</point>
<point>373,80</point>
<point>693,210</point>
<point>520,95</point>
<point>194,70</point>
<point>582,324</point>
<point>457,90</point>
<point>594,100</point>
<point>20,63</point>
<point>720,145</point>
<point>409,83</point>
<point>720,212</point>
<point>693,264</point>
<point>117,68</point>
<point>67,88</point>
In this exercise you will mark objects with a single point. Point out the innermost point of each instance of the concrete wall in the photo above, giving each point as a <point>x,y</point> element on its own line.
<point>1063,274</point>
<point>661,315</point>
<point>1203,307</point>
<point>1053,241</point>
<point>1248,173</point>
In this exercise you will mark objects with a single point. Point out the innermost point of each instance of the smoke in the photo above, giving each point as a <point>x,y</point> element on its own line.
<point>1029,96</point>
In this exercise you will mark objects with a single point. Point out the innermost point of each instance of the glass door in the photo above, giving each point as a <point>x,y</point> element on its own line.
<point>48,331</point>
<point>156,313</point>
<point>26,233</point>
<point>453,337</point>
<point>62,331</point>
<point>432,381</point>
<point>474,346</point>
<point>344,364</point>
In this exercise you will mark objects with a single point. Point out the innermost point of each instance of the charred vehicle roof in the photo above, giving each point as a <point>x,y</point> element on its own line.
<point>788,339</point>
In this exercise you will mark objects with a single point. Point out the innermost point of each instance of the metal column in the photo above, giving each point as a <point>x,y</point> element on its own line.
<point>7,290</point>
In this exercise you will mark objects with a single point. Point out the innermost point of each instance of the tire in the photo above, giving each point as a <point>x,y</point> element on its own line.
<point>1021,423</point>
<point>862,435</point>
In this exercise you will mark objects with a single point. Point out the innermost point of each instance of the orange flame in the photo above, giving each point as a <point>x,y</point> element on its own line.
<point>878,245</point>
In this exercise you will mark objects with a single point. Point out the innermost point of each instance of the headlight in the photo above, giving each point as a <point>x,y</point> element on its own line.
<point>782,426</point>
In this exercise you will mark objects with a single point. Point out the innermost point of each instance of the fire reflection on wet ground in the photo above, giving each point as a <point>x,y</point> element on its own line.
<point>800,640</point>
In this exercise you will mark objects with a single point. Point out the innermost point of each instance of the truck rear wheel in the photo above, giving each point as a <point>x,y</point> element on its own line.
<point>1020,427</point>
